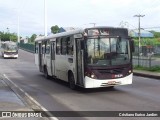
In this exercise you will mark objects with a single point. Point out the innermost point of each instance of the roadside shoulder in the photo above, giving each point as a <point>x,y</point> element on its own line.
<point>143,73</point>
<point>15,99</point>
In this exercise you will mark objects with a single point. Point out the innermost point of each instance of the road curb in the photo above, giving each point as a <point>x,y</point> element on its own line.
<point>157,77</point>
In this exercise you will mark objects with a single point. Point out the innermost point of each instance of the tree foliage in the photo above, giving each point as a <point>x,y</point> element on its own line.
<point>33,37</point>
<point>55,29</point>
<point>156,34</point>
<point>5,36</point>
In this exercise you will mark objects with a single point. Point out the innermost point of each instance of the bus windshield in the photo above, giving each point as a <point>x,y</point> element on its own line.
<point>108,51</point>
<point>12,47</point>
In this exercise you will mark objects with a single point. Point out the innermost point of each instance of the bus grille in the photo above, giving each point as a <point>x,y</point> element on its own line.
<point>113,71</point>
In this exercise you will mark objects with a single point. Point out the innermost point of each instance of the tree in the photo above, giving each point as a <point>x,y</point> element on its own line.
<point>54,29</point>
<point>156,34</point>
<point>6,36</point>
<point>33,37</point>
<point>13,37</point>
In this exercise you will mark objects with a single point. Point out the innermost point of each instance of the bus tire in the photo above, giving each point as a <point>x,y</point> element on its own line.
<point>111,87</point>
<point>46,73</point>
<point>71,80</point>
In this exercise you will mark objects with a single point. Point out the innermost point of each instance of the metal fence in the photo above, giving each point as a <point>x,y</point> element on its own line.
<point>148,56</point>
<point>27,46</point>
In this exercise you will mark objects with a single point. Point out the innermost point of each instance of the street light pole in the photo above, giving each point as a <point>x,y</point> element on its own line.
<point>139,34</point>
<point>45,18</point>
<point>18,29</point>
<point>18,32</point>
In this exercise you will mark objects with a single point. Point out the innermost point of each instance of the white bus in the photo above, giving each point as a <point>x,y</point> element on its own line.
<point>9,49</point>
<point>90,58</point>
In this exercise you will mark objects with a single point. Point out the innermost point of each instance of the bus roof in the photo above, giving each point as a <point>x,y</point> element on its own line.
<point>72,32</point>
<point>77,31</point>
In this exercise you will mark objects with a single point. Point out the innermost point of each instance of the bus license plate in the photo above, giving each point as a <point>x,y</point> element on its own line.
<point>111,82</point>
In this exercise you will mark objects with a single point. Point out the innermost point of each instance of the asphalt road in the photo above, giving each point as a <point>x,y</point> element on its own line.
<point>142,95</point>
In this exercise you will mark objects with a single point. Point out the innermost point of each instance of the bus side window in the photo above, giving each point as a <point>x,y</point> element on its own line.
<point>69,46</point>
<point>43,47</point>
<point>58,46</point>
<point>63,46</point>
<point>47,47</point>
<point>36,47</point>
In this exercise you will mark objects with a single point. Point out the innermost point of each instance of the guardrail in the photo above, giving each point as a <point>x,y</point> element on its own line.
<point>27,47</point>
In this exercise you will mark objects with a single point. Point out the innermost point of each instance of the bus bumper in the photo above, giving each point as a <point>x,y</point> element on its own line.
<point>94,83</point>
<point>10,56</point>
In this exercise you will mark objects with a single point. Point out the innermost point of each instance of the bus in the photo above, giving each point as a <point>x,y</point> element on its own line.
<point>89,58</point>
<point>9,49</point>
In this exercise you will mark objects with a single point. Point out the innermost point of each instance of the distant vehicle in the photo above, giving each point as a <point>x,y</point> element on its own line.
<point>90,58</point>
<point>9,49</point>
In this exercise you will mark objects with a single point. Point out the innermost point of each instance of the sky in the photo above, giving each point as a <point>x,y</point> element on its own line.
<point>77,13</point>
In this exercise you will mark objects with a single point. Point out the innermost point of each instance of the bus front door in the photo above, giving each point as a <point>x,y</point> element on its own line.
<point>40,58</point>
<point>80,63</point>
<point>53,58</point>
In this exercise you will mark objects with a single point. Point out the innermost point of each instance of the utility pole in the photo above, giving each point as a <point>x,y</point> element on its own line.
<point>18,32</point>
<point>45,18</point>
<point>139,35</point>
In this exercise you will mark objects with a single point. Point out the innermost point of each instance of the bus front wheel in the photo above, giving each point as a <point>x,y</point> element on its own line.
<point>72,81</point>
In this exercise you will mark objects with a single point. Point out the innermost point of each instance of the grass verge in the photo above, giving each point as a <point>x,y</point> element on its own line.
<point>151,69</point>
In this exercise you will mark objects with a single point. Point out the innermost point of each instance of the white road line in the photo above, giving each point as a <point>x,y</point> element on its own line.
<point>32,99</point>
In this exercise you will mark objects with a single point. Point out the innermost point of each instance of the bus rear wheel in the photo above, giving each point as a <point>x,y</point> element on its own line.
<point>72,81</point>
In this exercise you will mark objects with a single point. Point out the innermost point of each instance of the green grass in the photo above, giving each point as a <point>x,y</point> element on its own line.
<point>151,69</point>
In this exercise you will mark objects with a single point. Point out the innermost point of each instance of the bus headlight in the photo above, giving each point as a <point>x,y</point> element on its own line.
<point>90,74</point>
<point>93,75</point>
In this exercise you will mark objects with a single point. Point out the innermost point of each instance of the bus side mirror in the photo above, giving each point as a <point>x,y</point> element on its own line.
<point>132,46</point>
